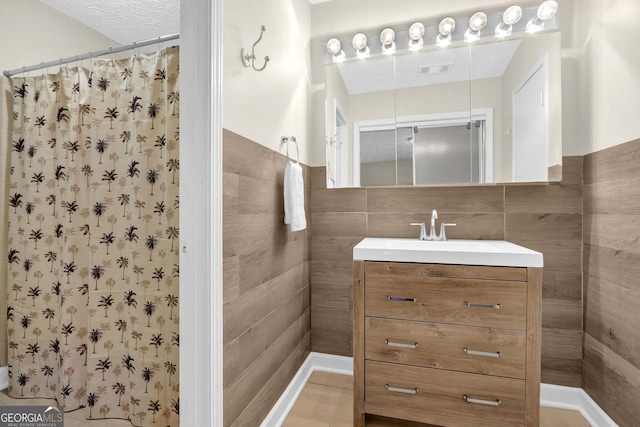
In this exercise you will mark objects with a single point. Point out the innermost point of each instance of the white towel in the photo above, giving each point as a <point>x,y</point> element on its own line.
<point>294,197</point>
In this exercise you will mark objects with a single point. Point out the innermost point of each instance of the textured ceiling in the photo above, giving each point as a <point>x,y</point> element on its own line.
<point>124,21</point>
<point>404,71</point>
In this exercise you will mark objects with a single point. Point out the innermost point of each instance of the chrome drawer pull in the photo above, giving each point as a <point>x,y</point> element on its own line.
<point>480,401</point>
<point>401,390</point>
<point>481,353</point>
<point>389,298</point>
<point>478,305</point>
<point>397,344</point>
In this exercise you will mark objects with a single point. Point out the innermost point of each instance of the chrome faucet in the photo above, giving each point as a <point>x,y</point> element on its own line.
<point>432,230</point>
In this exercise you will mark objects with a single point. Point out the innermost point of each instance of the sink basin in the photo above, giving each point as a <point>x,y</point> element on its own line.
<point>472,252</point>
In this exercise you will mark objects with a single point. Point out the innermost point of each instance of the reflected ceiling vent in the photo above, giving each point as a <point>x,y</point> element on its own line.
<point>429,70</point>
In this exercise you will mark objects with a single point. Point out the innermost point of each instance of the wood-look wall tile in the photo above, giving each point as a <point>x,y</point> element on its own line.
<point>230,361</point>
<point>240,393</point>
<point>613,197</point>
<point>267,330</point>
<point>469,226</point>
<point>562,357</point>
<point>559,257</point>
<point>265,398</point>
<point>266,281</point>
<point>318,178</point>
<point>329,319</point>
<point>332,342</point>
<point>572,170</point>
<point>562,314</point>
<point>545,228</point>
<point>611,293</point>
<point>562,343</point>
<point>262,265</point>
<point>247,158</point>
<point>332,283</point>
<point>561,284</point>
<point>339,200</point>
<point>230,278</point>
<point>611,315</point>
<point>613,265</point>
<point>548,283</point>
<point>247,233</point>
<point>552,198</point>
<point>257,196</point>
<point>612,382</point>
<point>616,163</point>
<point>567,283</point>
<point>230,194</point>
<point>563,372</point>
<point>479,199</point>
<point>243,312</point>
<point>332,268</point>
<point>339,224</point>
<point>616,231</point>
<point>333,248</point>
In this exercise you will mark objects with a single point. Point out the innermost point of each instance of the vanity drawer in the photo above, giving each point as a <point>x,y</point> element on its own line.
<point>490,303</point>
<point>443,397</point>
<point>490,351</point>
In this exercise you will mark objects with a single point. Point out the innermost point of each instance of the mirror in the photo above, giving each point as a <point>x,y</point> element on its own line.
<point>468,113</point>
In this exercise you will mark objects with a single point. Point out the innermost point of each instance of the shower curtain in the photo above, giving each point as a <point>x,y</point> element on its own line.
<point>93,238</point>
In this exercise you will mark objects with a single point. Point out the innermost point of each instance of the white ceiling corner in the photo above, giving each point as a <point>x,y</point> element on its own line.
<point>124,21</point>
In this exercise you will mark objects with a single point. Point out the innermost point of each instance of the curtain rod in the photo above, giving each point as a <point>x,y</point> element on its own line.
<point>107,51</point>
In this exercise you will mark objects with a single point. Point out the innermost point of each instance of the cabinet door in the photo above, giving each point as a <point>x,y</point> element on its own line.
<point>490,303</point>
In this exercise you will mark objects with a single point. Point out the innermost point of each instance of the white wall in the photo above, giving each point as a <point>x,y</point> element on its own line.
<point>32,32</point>
<point>263,106</point>
<point>607,98</point>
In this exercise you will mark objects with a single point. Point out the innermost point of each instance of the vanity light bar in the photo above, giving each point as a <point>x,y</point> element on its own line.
<point>515,20</point>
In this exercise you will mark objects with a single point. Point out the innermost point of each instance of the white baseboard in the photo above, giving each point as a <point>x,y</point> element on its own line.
<point>576,399</point>
<point>315,362</point>
<point>554,396</point>
<point>4,377</point>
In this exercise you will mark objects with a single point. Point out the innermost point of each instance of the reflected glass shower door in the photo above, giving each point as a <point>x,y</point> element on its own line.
<point>448,154</point>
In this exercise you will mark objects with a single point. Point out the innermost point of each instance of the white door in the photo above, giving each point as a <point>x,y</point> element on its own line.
<point>341,147</point>
<point>530,152</point>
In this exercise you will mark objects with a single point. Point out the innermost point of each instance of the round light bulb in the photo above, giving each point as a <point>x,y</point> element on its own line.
<point>478,21</point>
<point>446,27</point>
<point>416,31</point>
<point>387,36</point>
<point>334,46</point>
<point>359,41</point>
<point>547,10</point>
<point>512,15</point>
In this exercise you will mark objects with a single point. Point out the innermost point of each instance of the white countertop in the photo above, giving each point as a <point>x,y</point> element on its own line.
<point>471,252</point>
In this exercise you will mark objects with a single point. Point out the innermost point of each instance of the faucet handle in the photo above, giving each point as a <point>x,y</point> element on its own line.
<point>443,235</point>
<point>423,230</point>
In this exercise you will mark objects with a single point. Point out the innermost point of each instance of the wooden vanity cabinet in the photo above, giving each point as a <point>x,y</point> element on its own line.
<point>447,345</point>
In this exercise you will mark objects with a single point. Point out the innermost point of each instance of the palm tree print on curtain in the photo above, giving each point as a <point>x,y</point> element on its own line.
<point>93,258</point>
